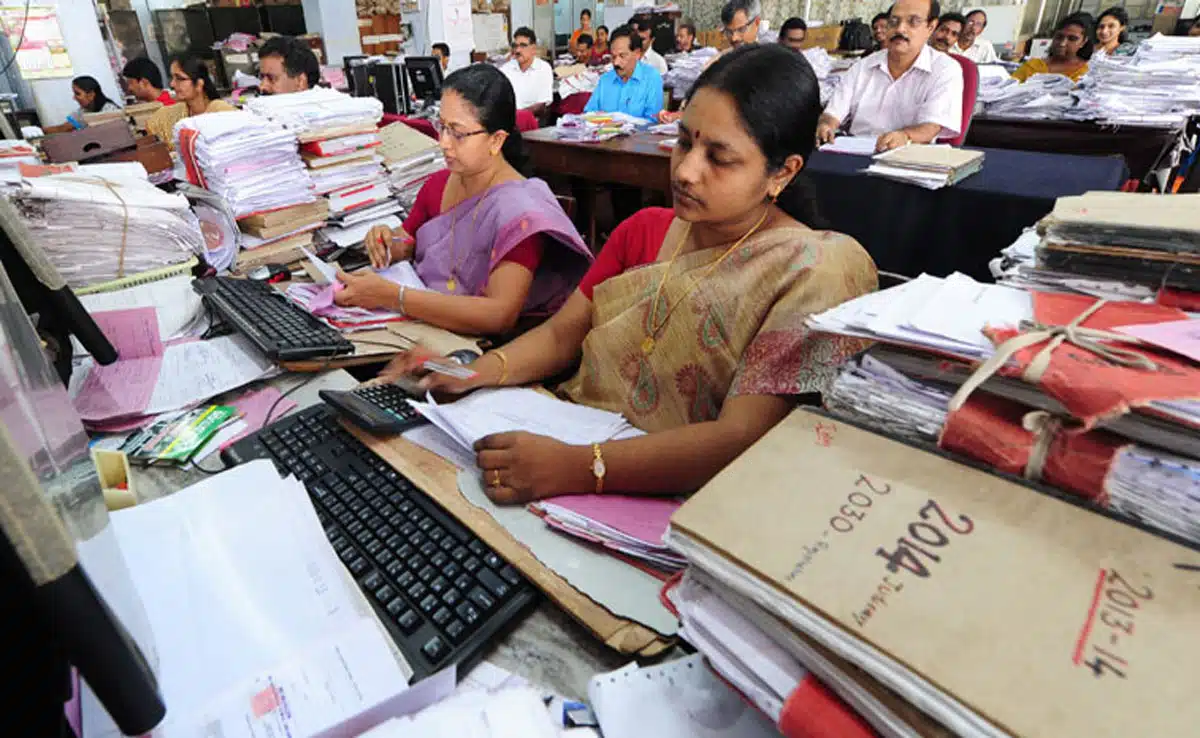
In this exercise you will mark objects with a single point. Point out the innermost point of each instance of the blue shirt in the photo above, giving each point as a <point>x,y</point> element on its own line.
<point>640,96</point>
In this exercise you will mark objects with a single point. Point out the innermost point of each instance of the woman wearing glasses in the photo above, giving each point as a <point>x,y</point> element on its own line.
<point>490,245</point>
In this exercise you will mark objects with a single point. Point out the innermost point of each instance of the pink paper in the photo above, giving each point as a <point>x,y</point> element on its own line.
<point>1179,336</point>
<point>132,332</point>
<point>643,518</point>
<point>254,407</point>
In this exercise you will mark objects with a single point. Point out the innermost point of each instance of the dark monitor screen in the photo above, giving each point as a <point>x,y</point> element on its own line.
<point>425,74</point>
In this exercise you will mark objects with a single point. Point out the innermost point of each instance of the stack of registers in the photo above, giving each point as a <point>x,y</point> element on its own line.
<point>98,227</point>
<point>249,161</point>
<point>1041,97</point>
<point>279,236</point>
<point>895,592</point>
<point>597,127</point>
<point>411,159</point>
<point>927,165</point>
<point>1107,414</point>
<point>1159,85</point>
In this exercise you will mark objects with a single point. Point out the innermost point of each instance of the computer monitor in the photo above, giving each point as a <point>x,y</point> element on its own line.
<point>425,77</point>
<point>358,75</point>
<point>390,86</point>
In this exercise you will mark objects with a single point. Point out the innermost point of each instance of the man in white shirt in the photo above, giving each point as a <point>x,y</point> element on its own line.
<point>532,78</point>
<point>641,24</point>
<point>970,45</point>
<point>907,93</point>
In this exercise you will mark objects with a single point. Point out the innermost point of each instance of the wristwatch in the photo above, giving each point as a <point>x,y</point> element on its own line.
<point>598,468</point>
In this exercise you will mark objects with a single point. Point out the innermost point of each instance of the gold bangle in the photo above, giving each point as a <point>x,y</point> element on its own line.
<point>503,367</point>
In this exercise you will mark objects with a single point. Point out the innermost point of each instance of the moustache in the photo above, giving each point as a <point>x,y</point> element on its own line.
<point>898,37</point>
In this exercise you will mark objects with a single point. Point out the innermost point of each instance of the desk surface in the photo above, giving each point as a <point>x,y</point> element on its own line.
<point>547,647</point>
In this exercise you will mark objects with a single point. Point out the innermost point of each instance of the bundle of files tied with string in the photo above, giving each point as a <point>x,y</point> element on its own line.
<point>1035,445</point>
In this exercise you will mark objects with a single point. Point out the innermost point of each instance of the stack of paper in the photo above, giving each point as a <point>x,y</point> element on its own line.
<point>920,563</point>
<point>292,226</point>
<point>583,79</point>
<point>411,158</point>
<point>319,113</point>
<point>1159,85</point>
<point>1017,267</point>
<point>131,226</point>
<point>629,526</point>
<point>1042,96</point>
<point>683,69</point>
<point>256,629</point>
<point>12,155</point>
<point>596,127</point>
<point>1143,483</point>
<point>243,158</point>
<point>926,165</point>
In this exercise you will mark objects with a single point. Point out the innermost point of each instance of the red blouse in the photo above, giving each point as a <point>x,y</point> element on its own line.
<point>634,243</point>
<point>428,206</point>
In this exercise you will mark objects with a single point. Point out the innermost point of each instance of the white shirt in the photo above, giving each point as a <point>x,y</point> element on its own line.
<point>532,86</point>
<point>931,91</point>
<point>980,52</point>
<point>655,60</point>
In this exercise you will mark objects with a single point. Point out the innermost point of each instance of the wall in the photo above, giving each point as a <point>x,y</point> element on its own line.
<point>337,22</point>
<point>81,31</point>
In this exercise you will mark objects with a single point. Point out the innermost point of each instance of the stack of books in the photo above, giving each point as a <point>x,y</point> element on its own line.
<point>926,165</point>
<point>279,236</point>
<point>898,593</point>
<point>411,158</point>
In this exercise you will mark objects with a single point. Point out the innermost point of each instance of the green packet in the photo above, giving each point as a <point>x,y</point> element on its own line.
<point>174,439</point>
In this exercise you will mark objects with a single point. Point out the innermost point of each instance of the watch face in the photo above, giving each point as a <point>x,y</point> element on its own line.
<point>598,467</point>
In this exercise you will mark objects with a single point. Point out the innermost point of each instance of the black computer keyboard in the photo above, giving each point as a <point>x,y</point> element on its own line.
<point>442,593</point>
<point>379,408</point>
<point>281,330</point>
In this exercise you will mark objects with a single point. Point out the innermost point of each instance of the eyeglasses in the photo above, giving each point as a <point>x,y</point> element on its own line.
<point>519,46</point>
<point>976,23</point>
<point>740,30</point>
<point>458,136</point>
<point>912,21</point>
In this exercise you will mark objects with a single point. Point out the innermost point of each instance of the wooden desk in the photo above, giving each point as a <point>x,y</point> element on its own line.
<point>635,160</point>
<point>547,648</point>
<point>1142,146</point>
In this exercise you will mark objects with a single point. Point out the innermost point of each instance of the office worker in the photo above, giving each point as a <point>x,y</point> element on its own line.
<point>908,93</point>
<point>90,98</point>
<point>600,48</point>
<point>195,92</point>
<point>650,57</point>
<point>142,79</point>
<point>1069,46</point>
<point>630,87</point>
<point>583,48</point>
<point>879,30</point>
<point>946,35</point>
<point>441,52</point>
<point>740,20</point>
<point>1194,30</point>
<point>532,78</point>
<point>792,33</point>
<point>490,244</point>
<point>585,26</point>
<point>691,321</point>
<point>285,65</point>
<point>1112,38</point>
<point>970,45</point>
<point>685,38</point>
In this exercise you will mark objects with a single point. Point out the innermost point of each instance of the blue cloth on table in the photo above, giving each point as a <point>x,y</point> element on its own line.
<point>908,229</point>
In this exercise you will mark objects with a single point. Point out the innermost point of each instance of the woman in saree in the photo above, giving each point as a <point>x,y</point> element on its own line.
<point>691,321</point>
<point>490,245</point>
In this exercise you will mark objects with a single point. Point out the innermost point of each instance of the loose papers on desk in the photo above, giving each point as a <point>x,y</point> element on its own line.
<point>596,127</point>
<point>244,158</point>
<point>127,225</point>
<point>628,526</point>
<point>241,588</point>
<point>318,298</point>
<point>1159,85</point>
<point>178,309</point>
<point>1041,97</point>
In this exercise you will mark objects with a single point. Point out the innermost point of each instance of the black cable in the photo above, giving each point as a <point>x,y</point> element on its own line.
<point>20,40</point>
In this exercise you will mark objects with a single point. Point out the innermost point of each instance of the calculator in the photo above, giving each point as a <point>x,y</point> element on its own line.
<point>378,408</point>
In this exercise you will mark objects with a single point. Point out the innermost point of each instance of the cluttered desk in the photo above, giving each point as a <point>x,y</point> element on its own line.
<point>266,546</point>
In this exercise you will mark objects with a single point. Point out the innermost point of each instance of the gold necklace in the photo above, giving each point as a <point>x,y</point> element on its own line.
<point>655,327</point>
<point>452,280</point>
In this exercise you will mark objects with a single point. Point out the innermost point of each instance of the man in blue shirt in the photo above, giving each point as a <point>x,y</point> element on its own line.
<point>631,87</point>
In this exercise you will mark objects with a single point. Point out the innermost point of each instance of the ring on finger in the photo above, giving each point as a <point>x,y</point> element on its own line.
<point>495,477</point>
